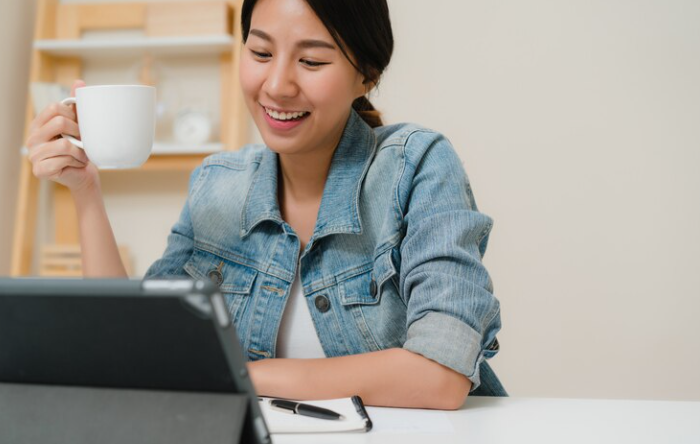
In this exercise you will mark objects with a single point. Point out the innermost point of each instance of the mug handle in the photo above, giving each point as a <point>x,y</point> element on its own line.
<point>71,139</point>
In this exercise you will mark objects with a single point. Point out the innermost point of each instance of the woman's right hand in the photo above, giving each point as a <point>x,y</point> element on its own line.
<point>54,157</point>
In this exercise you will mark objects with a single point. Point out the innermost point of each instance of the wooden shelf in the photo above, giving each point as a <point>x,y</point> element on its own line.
<point>135,46</point>
<point>68,36</point>
<point>163,162</point>
<point>167,162</point>
<point>166,149</point>
<point>172,149</point>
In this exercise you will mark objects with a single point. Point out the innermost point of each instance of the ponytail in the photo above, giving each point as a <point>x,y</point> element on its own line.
<point>367,111</point>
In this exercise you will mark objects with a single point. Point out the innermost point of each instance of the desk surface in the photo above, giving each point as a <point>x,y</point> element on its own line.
<point>530,420</point>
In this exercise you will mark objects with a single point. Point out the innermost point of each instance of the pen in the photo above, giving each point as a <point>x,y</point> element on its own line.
<point>299,408</point>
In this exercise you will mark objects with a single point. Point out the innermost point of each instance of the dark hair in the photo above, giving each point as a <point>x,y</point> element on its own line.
<point>361,29</point>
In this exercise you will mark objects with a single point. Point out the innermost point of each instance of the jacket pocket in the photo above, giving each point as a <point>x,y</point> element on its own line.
<point>357,289</point>
<point>229,276</point>
<point>385,273</point>
<point>371,298</point>
<point>233,279</point>
<point>366,287</point>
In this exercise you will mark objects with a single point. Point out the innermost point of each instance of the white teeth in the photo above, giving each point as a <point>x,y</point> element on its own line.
<point>284,116</point>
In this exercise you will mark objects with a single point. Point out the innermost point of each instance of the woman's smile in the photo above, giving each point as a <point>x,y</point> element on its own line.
<point>284,120</point>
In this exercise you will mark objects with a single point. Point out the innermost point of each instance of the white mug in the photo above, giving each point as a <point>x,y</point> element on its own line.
<point>117,124</point>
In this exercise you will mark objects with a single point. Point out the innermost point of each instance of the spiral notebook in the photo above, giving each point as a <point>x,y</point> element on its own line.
<point>356,418</point>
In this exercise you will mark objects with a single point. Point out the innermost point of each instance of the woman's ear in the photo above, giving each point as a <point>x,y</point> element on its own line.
<point>360,87</point>
<point>365,87</point>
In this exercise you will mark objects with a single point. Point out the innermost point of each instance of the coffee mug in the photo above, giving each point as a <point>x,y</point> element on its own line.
<point>117,124</point>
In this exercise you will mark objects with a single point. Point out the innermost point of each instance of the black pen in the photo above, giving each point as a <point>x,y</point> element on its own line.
<point>299,408</point>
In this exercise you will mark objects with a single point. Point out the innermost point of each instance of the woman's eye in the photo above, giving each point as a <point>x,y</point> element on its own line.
<point>261,55</point>
<point>266,56</point>
<point>312,63</point>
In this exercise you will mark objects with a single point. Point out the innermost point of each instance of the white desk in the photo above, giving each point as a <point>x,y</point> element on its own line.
<point>530,420</point>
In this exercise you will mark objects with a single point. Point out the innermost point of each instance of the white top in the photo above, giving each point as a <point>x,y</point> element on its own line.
<point>297,337</point>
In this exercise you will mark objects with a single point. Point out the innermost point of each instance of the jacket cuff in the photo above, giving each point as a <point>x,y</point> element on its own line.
<point>447,341</point>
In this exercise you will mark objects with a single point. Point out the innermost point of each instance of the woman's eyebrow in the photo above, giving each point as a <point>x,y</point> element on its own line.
<point>305,44</point>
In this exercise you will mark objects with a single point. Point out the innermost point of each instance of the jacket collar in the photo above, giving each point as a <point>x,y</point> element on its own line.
<point>339,212</point>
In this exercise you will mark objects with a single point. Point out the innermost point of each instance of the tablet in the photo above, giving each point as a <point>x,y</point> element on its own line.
<point>153,335</point>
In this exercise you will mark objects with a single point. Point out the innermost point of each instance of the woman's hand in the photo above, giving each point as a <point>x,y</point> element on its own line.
<point>54,157</point>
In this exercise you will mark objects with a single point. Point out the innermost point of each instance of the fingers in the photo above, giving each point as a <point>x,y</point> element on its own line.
<point>53,167</point>
<point>57,109</point>
<point>53,128</point>
<point>76,84</point>
<point>56,148</point>
<point>51,111</point>
<point>50,154</point>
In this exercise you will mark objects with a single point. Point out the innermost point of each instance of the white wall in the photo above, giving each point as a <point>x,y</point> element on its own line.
<point>577,122</point>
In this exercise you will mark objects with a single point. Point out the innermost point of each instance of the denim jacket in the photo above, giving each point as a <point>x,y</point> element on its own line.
<point>394,259</point>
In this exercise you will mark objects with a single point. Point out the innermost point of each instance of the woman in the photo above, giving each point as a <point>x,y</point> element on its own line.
<point>349,252</point>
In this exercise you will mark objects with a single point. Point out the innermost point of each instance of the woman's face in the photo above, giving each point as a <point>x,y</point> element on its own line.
<point>298,85</point>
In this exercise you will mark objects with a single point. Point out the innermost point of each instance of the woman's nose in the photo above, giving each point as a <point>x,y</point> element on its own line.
<point>281,82</point>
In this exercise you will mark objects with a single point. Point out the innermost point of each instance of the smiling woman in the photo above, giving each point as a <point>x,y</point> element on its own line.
<point>306,75</point>
<point>305,72</point>
<point>349,252</point>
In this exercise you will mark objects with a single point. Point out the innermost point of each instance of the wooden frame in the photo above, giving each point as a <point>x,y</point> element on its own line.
<point>57,21</point>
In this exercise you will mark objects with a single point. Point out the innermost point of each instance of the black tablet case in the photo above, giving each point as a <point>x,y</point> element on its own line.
<point>138,362</point>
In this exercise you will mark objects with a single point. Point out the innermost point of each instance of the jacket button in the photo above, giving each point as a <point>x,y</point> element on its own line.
<point>373,288</point>
<point>216,277</point>
<point>322,303</point>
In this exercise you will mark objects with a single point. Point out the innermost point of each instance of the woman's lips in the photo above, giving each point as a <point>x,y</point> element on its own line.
<point>283,125</point>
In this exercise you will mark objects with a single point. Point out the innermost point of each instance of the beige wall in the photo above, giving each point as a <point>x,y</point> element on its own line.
<point>577,122</point>
<point>579,125</point>
<point>16,28</point>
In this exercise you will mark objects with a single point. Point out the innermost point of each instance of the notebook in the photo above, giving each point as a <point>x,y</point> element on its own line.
<point>356,418</point>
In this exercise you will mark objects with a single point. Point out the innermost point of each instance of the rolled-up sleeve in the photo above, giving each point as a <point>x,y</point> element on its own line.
<point>452,315</point>
<point>180,241</point>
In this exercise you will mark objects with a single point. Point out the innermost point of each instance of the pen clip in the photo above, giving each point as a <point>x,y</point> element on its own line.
<point>284,405</point>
